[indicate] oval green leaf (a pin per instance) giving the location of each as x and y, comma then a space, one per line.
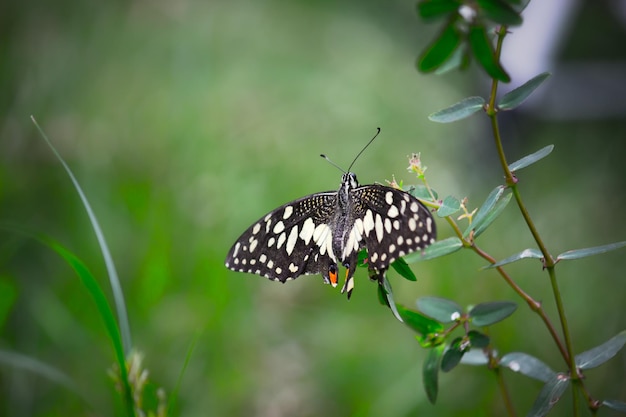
458, 111
486, 314
385, 296
430, 10
478, 339
549, 395
531, 159
440, 50
419, 322
484, 54
475, 357
527, 365
487, 206
436, 250
452, 356
615, 405
492, 215
449, 206
600, 354
422, 192
440, 309
500, 12
402, 268
430, 372
515, 97
526, 253
596, 250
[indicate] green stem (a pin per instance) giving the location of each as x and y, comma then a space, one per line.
549, 263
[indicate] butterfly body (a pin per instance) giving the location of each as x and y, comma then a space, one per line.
313, 234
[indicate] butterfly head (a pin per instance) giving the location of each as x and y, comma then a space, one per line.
349, 181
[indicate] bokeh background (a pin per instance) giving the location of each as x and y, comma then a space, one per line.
185, 121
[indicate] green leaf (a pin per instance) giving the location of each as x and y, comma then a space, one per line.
600, 354
431, 10
440, 50
458, 111
486, 314
475, 357
596, 250
549, 395
615, 405
385, 295
403, 269
531, 159
478, 339
515, 97
453, 355
430, 372
492, 215
484, 210
458, 59
499, 12
422, 192
449, 206
419, 322
440, 309
436, 250
484, 54
526, 253
527, 365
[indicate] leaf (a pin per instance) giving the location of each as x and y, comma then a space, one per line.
452, 357
449, 206
531, 159
402, 268
499, 12
458, 59
526, 253
431, 10
440, 50
116, 287
615, 405
430, 372
440, 309
478, 339
422, 192
486, 314
385, 295
515, 97
8, 296
527, 365
492, 215
600, 354
484, 210
458, 111
475, 357
596, 250
436, 250
484, 54
549, 395
419, 322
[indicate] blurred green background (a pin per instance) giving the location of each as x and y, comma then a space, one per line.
185, 121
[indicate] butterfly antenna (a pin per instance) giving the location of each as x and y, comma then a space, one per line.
332, 163
364, 148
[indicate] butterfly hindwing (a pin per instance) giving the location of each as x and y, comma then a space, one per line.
293, 240
394, 224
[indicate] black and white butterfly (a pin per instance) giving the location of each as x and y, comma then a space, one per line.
313, 234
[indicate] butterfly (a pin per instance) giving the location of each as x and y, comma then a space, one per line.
316, 233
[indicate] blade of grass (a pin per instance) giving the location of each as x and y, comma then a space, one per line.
118, 294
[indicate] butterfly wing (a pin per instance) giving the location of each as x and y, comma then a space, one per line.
389, 223
293, 240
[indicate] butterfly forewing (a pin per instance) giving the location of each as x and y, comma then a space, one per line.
293, 240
